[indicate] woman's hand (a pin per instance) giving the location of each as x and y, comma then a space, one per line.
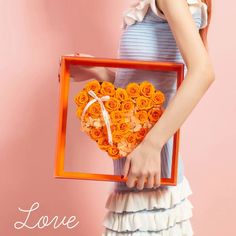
143, 165
82, 73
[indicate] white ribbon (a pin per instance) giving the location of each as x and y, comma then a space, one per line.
105, 114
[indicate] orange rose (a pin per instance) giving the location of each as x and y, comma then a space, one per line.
79, 111
123, 127
121, 94
154, 114
107, 88
130, 137
113, 151
93, 85
158, 97
151, 103
113, 128
95, 133
127, 105
112, 104
147, 89
103, 143
94, 110
117, 136
143, 103
98, 95
133, 89
116, 116
141, 133
142, 116
81, 98
86, 117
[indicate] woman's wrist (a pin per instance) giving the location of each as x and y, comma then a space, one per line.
152, 141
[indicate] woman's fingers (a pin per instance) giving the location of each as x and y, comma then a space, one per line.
131, 182
150, 181
83, 54
157, 180
82, 68
141, 182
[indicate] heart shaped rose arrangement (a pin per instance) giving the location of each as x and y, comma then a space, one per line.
118, 118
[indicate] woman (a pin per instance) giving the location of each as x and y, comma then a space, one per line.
158, 30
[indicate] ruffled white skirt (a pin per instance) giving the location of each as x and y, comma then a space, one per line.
165, 211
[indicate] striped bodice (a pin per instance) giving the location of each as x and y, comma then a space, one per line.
151, 39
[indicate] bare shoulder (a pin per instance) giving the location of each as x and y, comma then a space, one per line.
185, 31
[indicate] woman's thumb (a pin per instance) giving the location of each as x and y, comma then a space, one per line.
83, 54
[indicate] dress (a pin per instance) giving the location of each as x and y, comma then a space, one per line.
165, 211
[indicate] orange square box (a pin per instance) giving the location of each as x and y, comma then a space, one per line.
66, 61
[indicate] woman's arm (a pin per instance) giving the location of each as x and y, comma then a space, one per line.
106, 74
199, 76
144, 161
82, 73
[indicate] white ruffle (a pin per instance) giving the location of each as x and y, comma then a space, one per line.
184, 228
138, 11
158, 210
165, 198
155, 220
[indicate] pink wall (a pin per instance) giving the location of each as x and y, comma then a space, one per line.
33, 36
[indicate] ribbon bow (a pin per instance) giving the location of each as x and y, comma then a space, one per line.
105, 114
136, 12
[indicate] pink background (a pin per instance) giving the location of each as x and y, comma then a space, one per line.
33, 36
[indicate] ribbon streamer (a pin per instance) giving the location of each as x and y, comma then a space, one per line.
105, 114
